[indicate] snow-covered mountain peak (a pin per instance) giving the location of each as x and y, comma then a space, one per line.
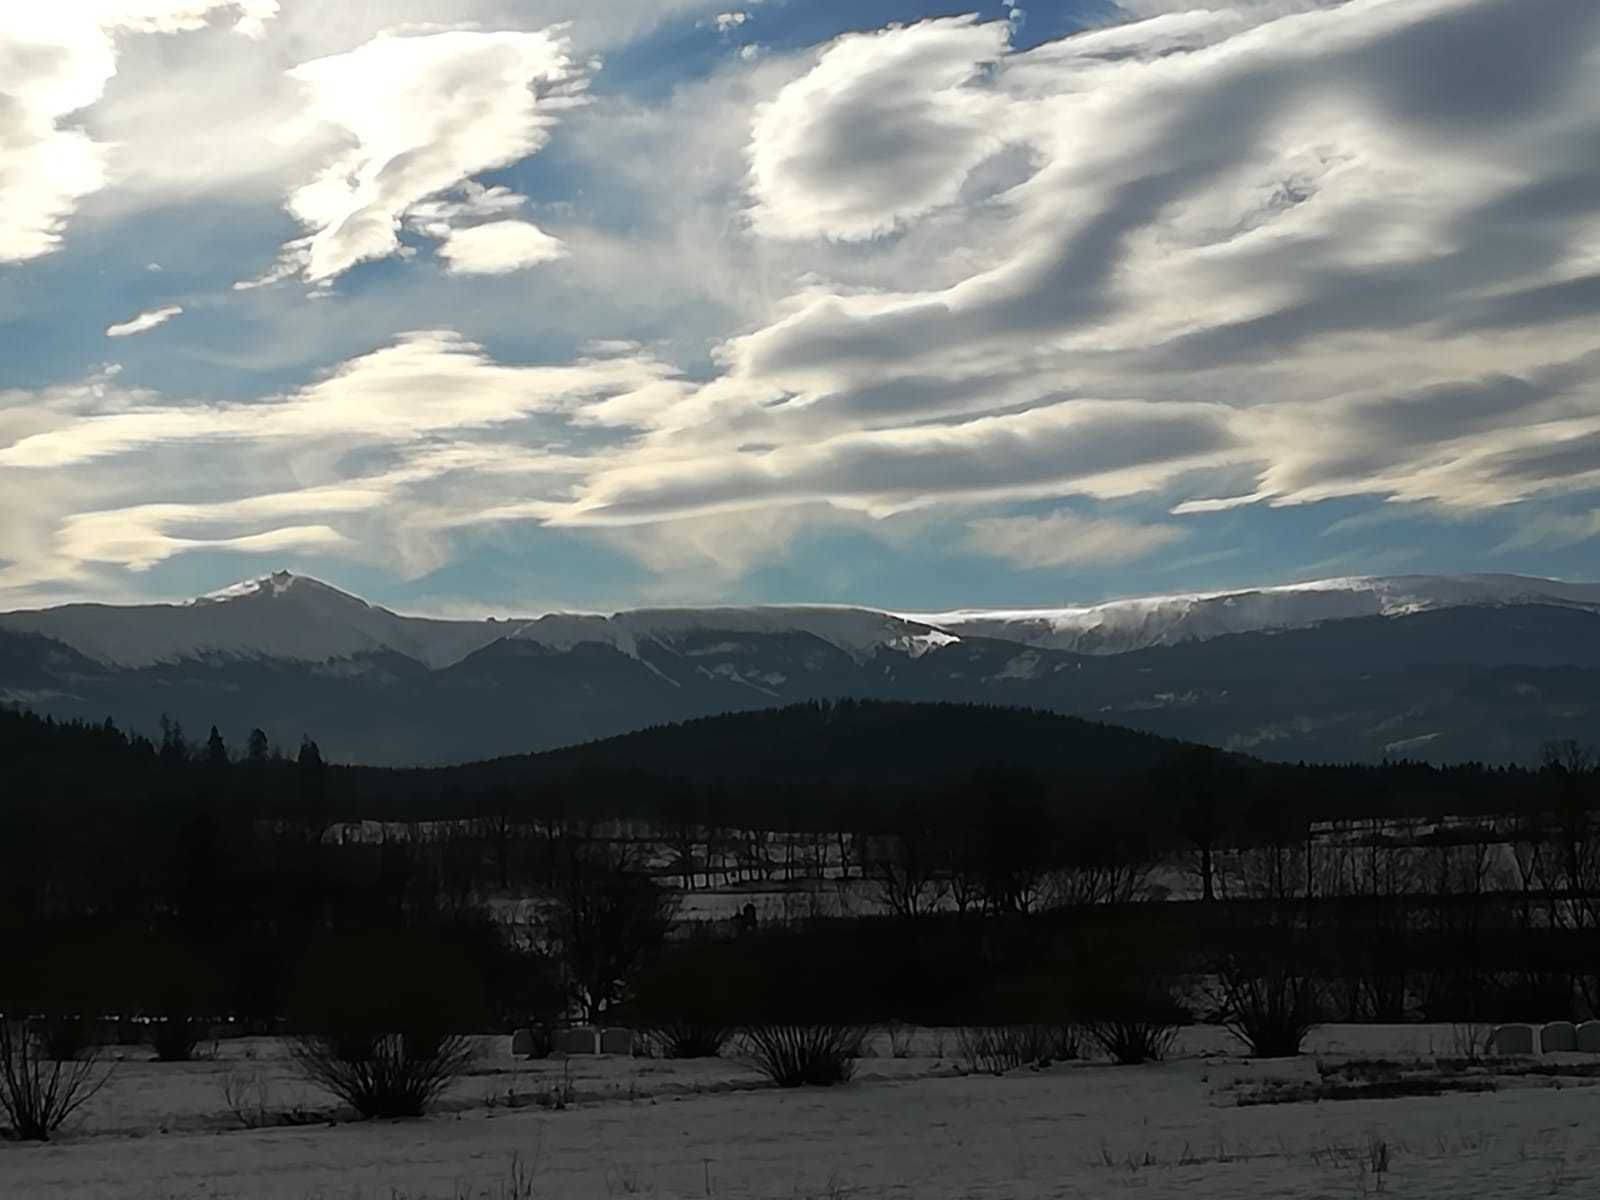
294, 618
1116, 626
281, 585
290, 617
281, 616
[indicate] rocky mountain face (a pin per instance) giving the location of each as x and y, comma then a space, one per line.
1445, 668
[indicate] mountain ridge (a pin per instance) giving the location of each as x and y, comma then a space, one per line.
1487, 668
295, 617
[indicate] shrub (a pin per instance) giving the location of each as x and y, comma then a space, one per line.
804, 1055
1270, 1011
543, 1036
175, 1037
690, 1001
385, 1074
1126, 998
379, 1019
1134, 1039
1470, 1041
39, 1093
129, 1031
65, 1037
686, 1039
900, 1037
1268, 997
996, 1049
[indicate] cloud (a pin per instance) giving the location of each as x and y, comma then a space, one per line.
1553, 530
1093, 448
726, 22
1213, 504
426, 383
1066, 539
818, 169
698, 555
499, 247
55, 60
1245, 255
425, 113
144, 322
383, 458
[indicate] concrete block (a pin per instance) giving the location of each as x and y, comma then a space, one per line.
580, 1040
522, 1043
616, 1041
1558, 1037
1510, 1040
1589, 1037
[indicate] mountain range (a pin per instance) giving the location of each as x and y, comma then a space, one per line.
1481, 667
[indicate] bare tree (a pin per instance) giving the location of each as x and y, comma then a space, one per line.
498, 825
903, 862
609, 916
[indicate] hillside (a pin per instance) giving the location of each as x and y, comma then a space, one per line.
1450, 669
845, 743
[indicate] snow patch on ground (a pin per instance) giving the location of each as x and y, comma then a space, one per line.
908, 1127
1023, 666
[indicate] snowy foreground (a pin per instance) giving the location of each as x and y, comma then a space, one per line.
915, 1127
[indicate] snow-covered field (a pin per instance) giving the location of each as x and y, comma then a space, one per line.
913, 1128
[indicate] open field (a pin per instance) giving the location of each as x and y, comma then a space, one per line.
918, 1127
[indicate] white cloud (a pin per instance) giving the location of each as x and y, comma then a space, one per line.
55, 60
140, 536
885, 128
728, 21
383, 458
1093, 448
473, 202
254, 15
1067, 539
426, 113
144, 322
426, 383
1213, 504
499, 247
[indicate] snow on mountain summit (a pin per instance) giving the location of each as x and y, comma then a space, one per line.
277, 585
290, 617
1117, 626
279, 616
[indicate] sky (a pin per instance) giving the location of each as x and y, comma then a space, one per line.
477, 306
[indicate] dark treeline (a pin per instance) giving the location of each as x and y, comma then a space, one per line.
175, 879
806, 763
1015, 858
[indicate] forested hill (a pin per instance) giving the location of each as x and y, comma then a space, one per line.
810, 763
841, 742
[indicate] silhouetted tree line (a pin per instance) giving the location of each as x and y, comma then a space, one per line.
175, 876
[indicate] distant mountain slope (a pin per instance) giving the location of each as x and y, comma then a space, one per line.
1482, 667
289, 618
1121, 625
853, 742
